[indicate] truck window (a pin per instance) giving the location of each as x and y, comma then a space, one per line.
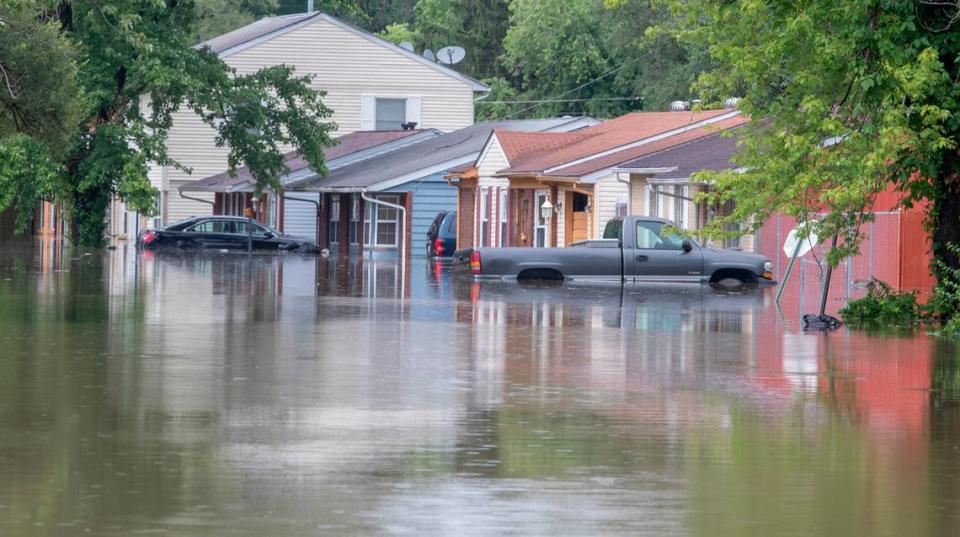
651, 236
613, 229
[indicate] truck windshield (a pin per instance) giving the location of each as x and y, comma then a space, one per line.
614, 229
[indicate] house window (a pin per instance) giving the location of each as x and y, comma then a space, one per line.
680, 206
484, 217
380, 222
390, 114
354, 218
334, 219
387, 222
503, 217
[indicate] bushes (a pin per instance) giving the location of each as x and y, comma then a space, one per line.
882, 305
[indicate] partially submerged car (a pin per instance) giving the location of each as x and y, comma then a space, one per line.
222, 233
634, 249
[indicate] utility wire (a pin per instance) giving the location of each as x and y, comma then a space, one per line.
580, 87
563, 100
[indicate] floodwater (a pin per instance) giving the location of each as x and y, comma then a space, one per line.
278, 396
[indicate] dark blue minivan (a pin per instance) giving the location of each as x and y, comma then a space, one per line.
442, 235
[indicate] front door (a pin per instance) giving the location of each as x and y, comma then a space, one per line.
658, 255
540, 223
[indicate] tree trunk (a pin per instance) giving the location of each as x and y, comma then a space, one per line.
946, 215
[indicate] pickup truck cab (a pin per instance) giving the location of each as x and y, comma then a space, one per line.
633, 249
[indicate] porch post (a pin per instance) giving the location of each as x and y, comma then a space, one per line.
554, 199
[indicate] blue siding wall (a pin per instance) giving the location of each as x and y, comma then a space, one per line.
431, 195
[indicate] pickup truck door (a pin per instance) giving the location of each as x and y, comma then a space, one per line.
658, 255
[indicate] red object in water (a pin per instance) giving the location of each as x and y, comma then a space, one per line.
475, 262
438, 247
149, 237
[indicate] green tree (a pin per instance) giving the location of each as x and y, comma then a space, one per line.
846, 99
217, 17
137, 69
40, 106
478, 27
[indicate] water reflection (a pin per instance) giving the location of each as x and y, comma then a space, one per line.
198, 395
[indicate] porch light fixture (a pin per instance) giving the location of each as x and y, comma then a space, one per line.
546, 210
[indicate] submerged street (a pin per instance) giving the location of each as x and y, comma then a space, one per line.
284, 395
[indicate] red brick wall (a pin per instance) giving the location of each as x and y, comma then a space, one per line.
343, 234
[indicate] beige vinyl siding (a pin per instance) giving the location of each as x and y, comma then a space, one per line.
560, 217
492, 159
179, 208
639, 206
608, 191
346, 66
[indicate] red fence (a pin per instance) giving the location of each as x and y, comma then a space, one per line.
895, 249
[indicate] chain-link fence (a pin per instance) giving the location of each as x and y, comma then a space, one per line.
879, 258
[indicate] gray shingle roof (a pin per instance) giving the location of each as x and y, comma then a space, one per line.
445, 151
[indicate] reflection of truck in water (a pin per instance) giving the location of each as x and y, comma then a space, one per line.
633, 249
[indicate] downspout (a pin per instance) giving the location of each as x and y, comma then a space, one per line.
402, 239
316, 221
191, 198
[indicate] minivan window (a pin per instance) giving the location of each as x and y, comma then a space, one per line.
452, 224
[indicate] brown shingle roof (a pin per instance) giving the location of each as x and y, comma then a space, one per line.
614, 159
605, 136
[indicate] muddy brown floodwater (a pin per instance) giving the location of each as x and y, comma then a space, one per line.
276, 396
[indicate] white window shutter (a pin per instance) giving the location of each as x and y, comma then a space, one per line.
413, 110
368, 113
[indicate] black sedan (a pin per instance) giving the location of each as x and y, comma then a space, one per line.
222, 233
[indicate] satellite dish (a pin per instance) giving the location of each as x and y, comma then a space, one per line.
428, 54
451, 55
406, 45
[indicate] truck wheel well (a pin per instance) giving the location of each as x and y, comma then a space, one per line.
741, 275
540, 274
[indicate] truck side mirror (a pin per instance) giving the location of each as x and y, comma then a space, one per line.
686, 245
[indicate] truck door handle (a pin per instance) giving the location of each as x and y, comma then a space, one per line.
642, 258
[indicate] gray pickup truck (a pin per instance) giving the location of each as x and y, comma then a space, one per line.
633, 249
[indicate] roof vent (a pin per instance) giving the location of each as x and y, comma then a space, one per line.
679, 106
409, 126
731, 102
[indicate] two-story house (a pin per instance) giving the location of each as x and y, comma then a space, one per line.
371, 84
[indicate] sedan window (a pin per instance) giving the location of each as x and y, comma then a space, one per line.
243, 228
212, 226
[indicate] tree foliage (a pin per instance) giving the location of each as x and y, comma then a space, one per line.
847, 98
136, 68
40, 106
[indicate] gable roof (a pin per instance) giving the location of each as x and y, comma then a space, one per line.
347, 145
711, 152
267, 28
607, 137
592, 166
424, 158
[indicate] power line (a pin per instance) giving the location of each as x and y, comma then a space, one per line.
580, 87
563, 100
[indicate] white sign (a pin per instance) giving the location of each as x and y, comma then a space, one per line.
806, 245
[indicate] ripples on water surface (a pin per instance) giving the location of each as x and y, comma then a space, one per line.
227, 395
